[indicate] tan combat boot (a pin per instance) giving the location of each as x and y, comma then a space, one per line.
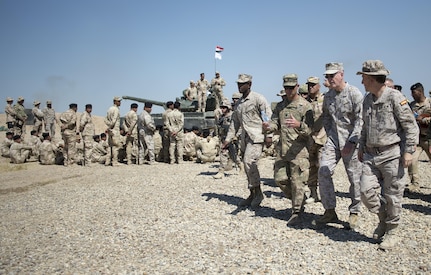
353, 220
258, 197
329, 216
381, 228
390, 239
219, 175
247, 201
314, 196
413, 187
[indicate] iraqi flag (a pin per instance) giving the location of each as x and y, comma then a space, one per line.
217, 54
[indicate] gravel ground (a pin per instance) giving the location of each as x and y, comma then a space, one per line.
176, 219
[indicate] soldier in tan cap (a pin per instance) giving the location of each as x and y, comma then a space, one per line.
217, 84
251, 110
37, 117
342, 120
10, 113
112, 120
87, 129
387, 142
191, 93
318, 136
294, 123
202, 85
21, 117
69, 129
49, 119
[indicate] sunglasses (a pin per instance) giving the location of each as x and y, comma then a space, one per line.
328, 76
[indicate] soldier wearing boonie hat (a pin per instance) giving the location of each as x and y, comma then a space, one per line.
10, 113
20, 117
37, 116
248, 117
380, 150
342, 120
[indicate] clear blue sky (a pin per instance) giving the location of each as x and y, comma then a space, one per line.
88, 51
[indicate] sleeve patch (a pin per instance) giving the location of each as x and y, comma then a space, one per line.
404, 102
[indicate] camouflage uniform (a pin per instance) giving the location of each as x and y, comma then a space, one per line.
206, 149
217, 84
190, 141
223, 125
130, 127
202, 86
423, 145
147, 128
19, 152
21, 117
37, 118
35, 142
5, 147
191, 93
68, 121
158, 146
112, 120
165, 137
100, 152
50, 119
48, 152
87, 128
176, 127
342, 120
10, 116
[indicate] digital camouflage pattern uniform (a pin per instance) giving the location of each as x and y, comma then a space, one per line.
19, 152
21, 117
190, 141
87, 128
217, 84
37, 118
100, 152
5, 147
176, 126
10, 115
202, 86
165, 138
48, 152
68, 122
112, 120
147, 128
206, 149
50, 119
130, 127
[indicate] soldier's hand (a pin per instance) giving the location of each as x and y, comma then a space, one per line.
407, 158
291, 122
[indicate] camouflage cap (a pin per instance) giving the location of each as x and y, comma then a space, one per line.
236, 95
117, 98
20, 99
303, 89
373, 67
313, 80
9, 99
333, 67
290, 80
282, 93
244, 78
48, 102
35, 103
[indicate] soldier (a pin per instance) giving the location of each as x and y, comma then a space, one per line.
87, 129
217, 84
158, 143
294, 122
20, 118
249, 116
235, 97
223, 125
318, 137
48, 151
202, 85
388, 122
342, 120
165, 137
10, 114
147, 127
6, 144
19, 153
303, 91
49, 118
34, 141
421, 107
191, 93
100, 151
207, 148
112, 120
130, 127
37, 117
191, 138
270, 147
68, 122
176, 134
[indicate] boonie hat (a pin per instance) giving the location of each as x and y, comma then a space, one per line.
373, 67
20, 99
48, 102
244, 78
282, 93
313, 80
333, 67
226, 104
35, 103
8, 99
236, 95
117, 98
290, 80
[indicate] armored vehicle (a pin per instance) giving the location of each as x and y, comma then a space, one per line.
191, 117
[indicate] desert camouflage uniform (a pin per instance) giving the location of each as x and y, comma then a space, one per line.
10, 116
217, 85
387, 121
147, 128
271, 150
291, 166
206, 149
48, 152
247, 116
130, 127
50, 119
112, 120
190, 141
158, 146
165, 137
87, 128
68, 121
423, 145
176, 125
21, 117
35, 142
191, 92
100, 152
223, 125
19, 152
5, 147
202, 86
342, 120
37, 119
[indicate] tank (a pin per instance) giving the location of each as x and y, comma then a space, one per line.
188, 108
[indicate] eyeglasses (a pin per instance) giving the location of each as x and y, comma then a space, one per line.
328, 76
311, 84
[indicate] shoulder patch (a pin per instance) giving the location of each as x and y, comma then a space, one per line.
404, 102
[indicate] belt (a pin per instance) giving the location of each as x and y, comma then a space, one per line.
381, 149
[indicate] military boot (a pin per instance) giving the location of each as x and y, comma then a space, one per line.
258, 197
353, 220
314, 196
329, 216
247, 201
390, 238
413, 187
381, 228
219, 175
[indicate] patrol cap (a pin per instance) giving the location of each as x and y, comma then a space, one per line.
35, 103
333, 67
117, 98
236, 95
313, 80
148, 105
20, 99
48, 102
303, 89
244, 78
15, 137
373, 67
282, 93
290, 80
9, 99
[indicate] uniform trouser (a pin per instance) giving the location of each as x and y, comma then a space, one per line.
202, 101
225, 157
204, 158
165, 145
147, 148
251, 154
130, 142
69, 150
291, 176
19, 130
176, 146
50, 128
382, 187
98, 158
114, 144
331, 155
315, 153
218, 95
88, 147
414, 167
37, 126
21, 158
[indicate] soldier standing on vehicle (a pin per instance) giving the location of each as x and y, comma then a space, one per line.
87, 129
202, 85
37, 117
49, 118
388, 121
21, 117
217, 84
10, 114
191, 92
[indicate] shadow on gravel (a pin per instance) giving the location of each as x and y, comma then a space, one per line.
417, 196
418, 208
268, 182
342, 194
